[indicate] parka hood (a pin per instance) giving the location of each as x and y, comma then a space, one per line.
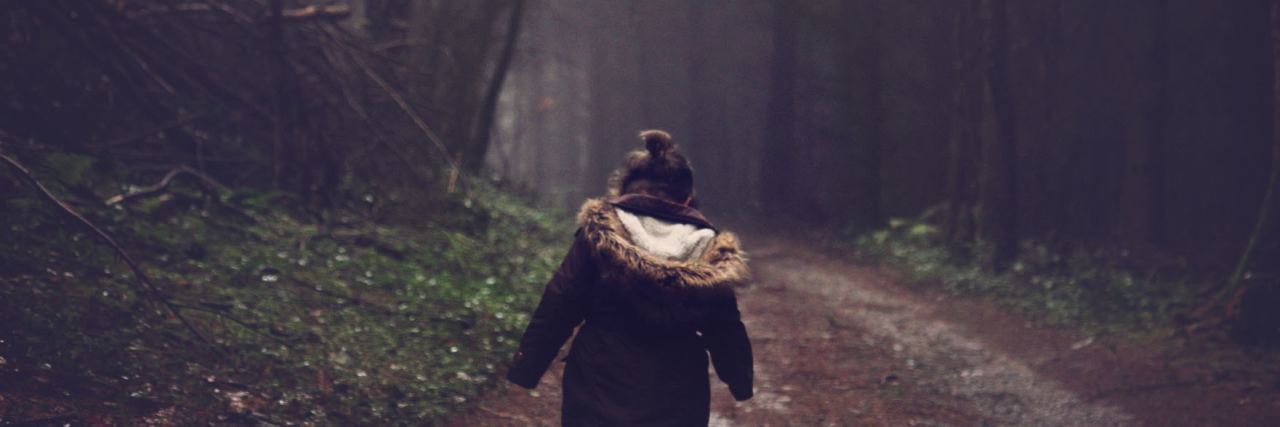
663, 291
665, 239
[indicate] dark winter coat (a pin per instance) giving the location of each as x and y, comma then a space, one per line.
648, 323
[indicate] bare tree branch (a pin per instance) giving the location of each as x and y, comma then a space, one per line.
417, 120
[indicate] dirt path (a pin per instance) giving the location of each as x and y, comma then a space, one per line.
838, 344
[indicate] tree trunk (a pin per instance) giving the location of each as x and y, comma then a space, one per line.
1042, 204
1266, 210
863, 66
698, 77
650, 99
483, 133
538, 126
1140, 201
704, 120
776, 164
603, 109
466, 87
962, 122
276, 39
1157, 123
1000, 203
871, 211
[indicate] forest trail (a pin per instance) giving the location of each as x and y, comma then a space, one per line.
842, 344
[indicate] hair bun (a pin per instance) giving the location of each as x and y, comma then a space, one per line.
656, 141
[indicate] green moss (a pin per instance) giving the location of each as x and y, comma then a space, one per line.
1102, 290
364, 323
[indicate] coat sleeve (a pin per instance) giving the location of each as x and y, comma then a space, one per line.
726, 339
562, 308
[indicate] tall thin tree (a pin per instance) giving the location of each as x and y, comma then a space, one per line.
872, 213
1142, 177
1000, 168
278, 66
1266, 212
1157, 122
962, 125
862, 63
778, 150
473, 158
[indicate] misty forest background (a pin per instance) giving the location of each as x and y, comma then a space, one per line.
337, 212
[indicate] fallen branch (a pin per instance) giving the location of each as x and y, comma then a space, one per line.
413, 115
152, 290
193, 7
208, 182
256, 329
379, 136
317, 12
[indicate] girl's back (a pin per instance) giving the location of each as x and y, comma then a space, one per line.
652, 283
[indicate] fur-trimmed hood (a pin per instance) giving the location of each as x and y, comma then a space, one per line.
662, 291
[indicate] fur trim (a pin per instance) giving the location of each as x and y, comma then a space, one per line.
663, 291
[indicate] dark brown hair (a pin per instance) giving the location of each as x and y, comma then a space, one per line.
658, 170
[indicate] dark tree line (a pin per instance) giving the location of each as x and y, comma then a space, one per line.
1146, 124
326, 100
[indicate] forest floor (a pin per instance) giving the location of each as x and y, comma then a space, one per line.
838, 343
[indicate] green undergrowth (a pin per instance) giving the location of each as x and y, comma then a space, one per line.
356, 323
1100, 290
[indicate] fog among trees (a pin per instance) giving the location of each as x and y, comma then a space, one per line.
1146, 122
342, 212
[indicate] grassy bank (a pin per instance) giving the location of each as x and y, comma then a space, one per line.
359, 322
1098, 289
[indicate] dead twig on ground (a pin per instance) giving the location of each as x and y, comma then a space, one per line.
205, 180
256, 329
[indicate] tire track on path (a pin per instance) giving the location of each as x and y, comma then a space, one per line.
839, 345
915, 368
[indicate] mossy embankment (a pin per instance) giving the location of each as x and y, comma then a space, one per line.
353, 319
1098, 289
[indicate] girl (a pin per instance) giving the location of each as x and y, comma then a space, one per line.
652, 282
